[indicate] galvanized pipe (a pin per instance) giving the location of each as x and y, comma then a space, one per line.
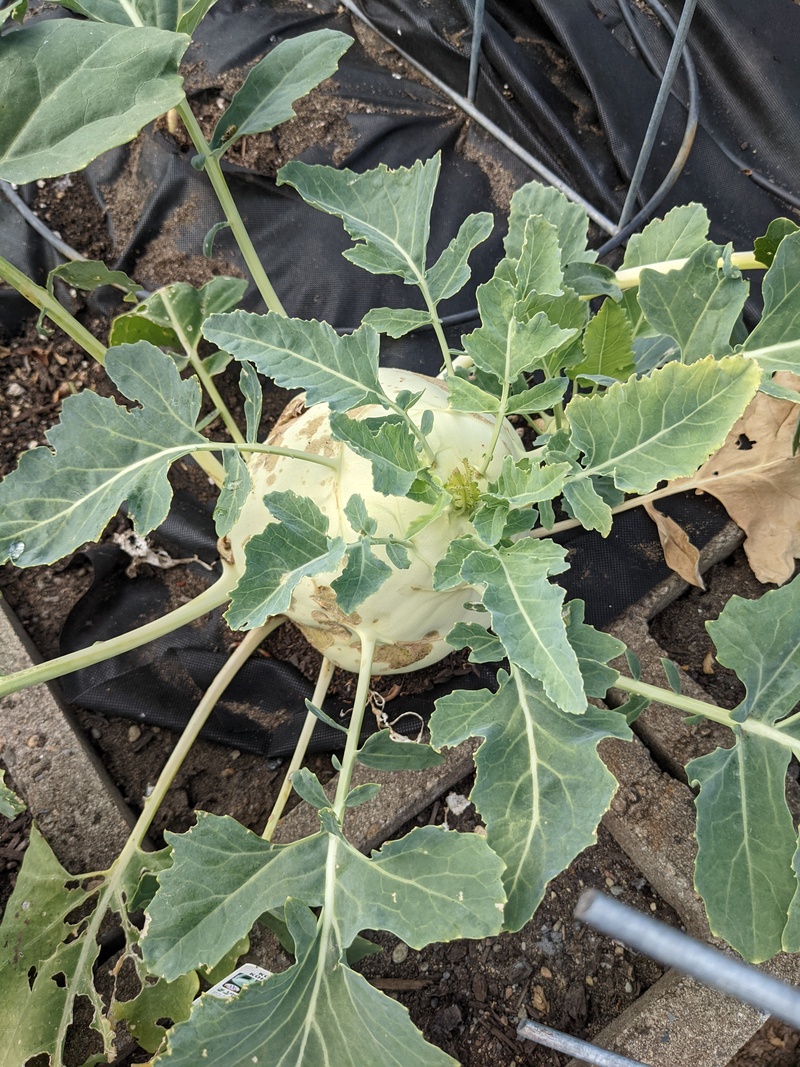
703, 963
573, 1046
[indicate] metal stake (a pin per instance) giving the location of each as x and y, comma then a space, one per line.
684, 953
573, 1046
475, 50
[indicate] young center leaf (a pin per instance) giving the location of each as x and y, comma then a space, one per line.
70, 90
744, 876
103, 455
535, 761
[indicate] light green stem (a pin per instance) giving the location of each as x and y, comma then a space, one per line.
46, 302
500, 418
209, 599
354, 729
320, 689
109, 892
709, 711
206, 379
437, 326
213, 169
630, 278
627, 505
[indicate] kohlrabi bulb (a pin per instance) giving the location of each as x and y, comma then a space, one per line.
407, 617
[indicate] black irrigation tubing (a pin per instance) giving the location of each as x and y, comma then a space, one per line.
657, 114
701, 962
475, 49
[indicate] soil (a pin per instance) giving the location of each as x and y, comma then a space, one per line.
467, 997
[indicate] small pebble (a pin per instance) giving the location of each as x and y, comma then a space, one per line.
96, 734
628, 987
545, 972
35, 741
228, 772
653, 906
589, 980
400, 953
15, 390
616, 890
134, 733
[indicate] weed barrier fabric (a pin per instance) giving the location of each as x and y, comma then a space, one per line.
567, 82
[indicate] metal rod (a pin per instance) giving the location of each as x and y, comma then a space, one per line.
658, 110
684, 953
474, 113
475, 51
573, 1046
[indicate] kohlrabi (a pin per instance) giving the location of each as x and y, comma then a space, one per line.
393, 517
401, 537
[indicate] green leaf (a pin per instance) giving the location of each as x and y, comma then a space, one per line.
250, 385
361, 794
538, 268
104, 455
775, 341
607, 345
746, 877
464, 395
290, 71
583, 502
382, 752
769, 667
396, 322
71, 90
233, 494
156, 1000
651, 429
447, 572
320, 714
592, 279
165, 14
427, 886
293, 547
90, 275
505, 346
315, 1013
680, 233
489, 521
540, 786
14, 11
299, 354
355, 511
38, 943
524, 481
697, 305
10, 804
451, 271
594, 650
364, 573
397, 555
307, 786
484, 647
570, 221
540, 398
526, 614
744, 874
672, 671
388, 211
388, 444
765, 247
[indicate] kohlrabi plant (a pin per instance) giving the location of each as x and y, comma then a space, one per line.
395, 517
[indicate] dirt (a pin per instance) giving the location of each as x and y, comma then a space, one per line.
467, 997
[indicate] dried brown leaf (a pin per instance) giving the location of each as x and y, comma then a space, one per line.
679, 552
757, 479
